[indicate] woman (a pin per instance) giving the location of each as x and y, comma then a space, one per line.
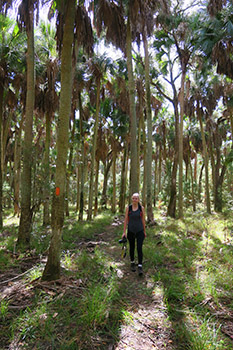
135, 221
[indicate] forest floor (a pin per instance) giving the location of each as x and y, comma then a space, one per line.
183, 301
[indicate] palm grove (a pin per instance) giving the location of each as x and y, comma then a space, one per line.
82, 128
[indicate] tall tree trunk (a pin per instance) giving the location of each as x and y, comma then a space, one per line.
107, 167
94, 143
200, 183
46, 194
160, 169
1, 165
133, 118
114, 181
150, 216
82, 163
155, 177
96, 187
205, 156
52, 268
123, 178
69, 169
218, 176
144, 161
25, 224
140, 130
180, 157
193, 191
17, 167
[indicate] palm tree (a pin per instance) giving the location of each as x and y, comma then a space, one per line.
98, 66
52, 268
26, 18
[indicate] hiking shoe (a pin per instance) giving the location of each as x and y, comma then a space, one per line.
133, 267
140, 272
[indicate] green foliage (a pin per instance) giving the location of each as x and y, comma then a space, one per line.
187, 266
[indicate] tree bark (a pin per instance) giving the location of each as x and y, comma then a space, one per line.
94, 143
96, 187
150, 216
1, 165
205, 156
52, 268
17, 167
46, 194
123, 178
133, 119
24, 233
114, 182
180, 157
69, 169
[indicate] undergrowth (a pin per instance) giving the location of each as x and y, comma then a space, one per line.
188, 262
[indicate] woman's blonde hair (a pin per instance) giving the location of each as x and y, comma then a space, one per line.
135, 195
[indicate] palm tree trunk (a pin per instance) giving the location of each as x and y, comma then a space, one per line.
123, 178
69, 170
205, 155
24, 232
46, 194
144, 161
52, 268
82, 163
1, 167
96, 187
180, 157
150, 216
107, 167
155, 177
133, 121
17, 167
114, 181
94, 142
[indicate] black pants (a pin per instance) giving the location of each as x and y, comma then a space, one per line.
139, 236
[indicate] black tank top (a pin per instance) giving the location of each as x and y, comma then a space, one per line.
135, 224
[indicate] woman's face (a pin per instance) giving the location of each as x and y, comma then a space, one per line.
135, 198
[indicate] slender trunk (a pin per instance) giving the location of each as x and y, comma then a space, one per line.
123, 178
52, 268
193, 191
144, 161
69, 169
133, 121
1, 165
94, 143
114, 182
205, 156
160, 169
155, 178
200, 183
218, 177
24, 232
140, 130
96, 187
17, 168
150, 216
104, 192
46, 194
82, 163
180, 157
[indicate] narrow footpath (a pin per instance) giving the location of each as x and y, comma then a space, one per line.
146, 325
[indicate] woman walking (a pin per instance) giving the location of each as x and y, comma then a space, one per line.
135, 222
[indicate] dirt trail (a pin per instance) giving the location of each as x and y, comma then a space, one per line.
146, 324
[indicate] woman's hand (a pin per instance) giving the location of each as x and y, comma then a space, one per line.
124, 235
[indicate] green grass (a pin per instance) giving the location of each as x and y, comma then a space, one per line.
187, 262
